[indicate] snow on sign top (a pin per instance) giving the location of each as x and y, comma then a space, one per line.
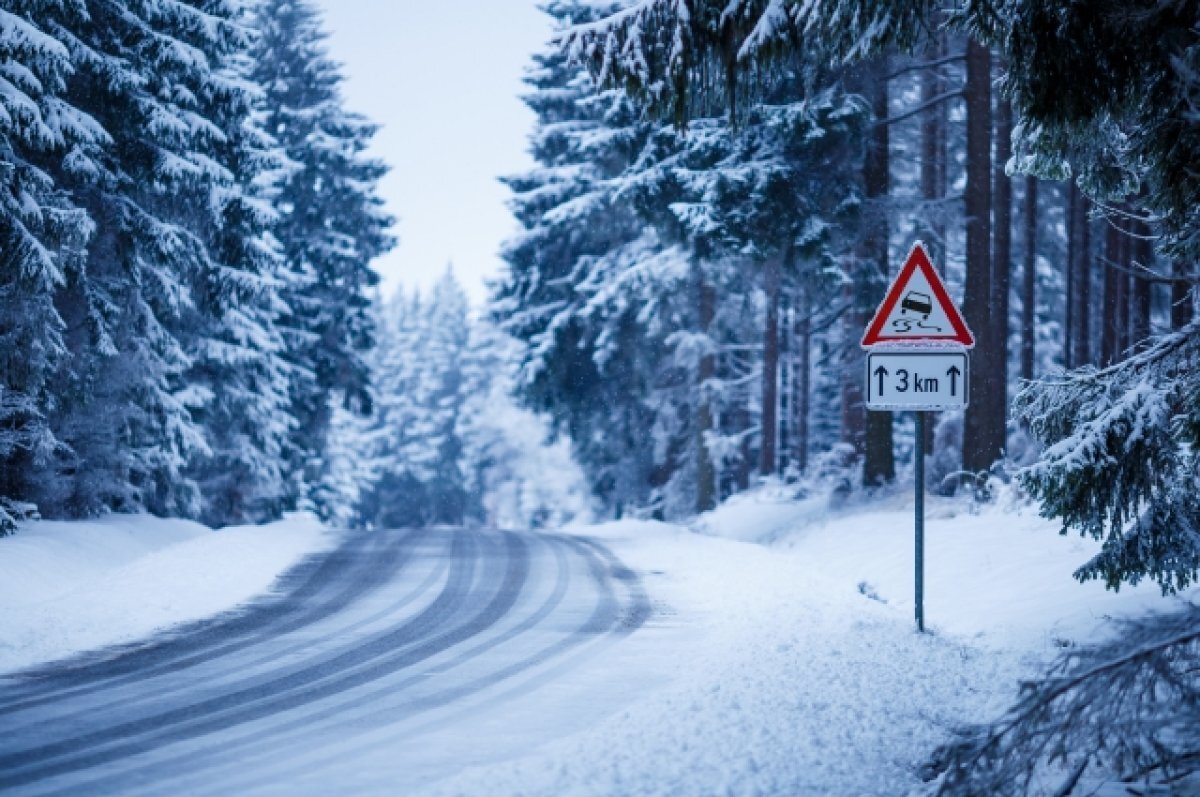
917, 308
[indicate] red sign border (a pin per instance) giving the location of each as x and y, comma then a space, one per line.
917, 258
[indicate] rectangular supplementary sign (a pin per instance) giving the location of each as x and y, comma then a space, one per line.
916, 380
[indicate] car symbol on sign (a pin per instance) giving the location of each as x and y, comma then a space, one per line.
917, 302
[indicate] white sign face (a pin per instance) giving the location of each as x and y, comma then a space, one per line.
918, 314
901, 379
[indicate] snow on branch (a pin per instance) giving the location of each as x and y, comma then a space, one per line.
1121, 461
1128, 708
648, 49
668, 53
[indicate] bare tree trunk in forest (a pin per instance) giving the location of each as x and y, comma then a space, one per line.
744, 465
879, 463
1001, 270
706, 302
770, 368
1124, 286
854, 413
933, 145
1070, 347
1083, 284
1139, 320
980, 447
803, 355
1029, 281
1181, 297
1115, 303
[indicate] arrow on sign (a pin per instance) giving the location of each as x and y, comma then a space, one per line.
881, 372
954, 374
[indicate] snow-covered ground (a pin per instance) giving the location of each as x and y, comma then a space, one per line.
67, 587
781, 657
796, 666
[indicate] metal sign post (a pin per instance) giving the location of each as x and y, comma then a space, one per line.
919, 473
917, 360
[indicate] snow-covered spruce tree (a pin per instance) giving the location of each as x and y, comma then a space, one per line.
593, 383
784, 205
231, 328
147, 73
1123, 443
333, 223
42, 234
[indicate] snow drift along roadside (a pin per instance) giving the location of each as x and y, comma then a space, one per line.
796, 666
66, 587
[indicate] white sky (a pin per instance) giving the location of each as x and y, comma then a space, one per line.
443, 77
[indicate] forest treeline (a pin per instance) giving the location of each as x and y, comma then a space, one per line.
187, 221
723, 192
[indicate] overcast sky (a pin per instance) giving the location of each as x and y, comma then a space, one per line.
444, 79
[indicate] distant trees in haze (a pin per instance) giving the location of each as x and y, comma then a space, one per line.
446, 444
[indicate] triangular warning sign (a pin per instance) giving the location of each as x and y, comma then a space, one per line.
917, 308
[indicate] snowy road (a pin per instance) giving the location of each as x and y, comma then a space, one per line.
389, 661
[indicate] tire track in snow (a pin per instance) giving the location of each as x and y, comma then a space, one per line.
347, 573
486, 575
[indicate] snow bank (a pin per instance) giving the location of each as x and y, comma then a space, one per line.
997, 573
796, 666
66, 587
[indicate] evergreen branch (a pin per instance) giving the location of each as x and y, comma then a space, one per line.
934, 64
918, 109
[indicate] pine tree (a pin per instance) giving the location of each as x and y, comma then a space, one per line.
148, 74
42, 234
239, 348
333, 223
591, 377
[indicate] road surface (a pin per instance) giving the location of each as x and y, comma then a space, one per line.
408, 653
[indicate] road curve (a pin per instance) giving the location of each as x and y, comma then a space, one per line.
390, 638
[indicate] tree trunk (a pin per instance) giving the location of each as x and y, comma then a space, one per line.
1139, 321
879, 464
1181, 297
770, 369
706, 301
1070, 347
1001, 271
1116, 301
1125, 284
933, 145
1083, 284
853, 412
1029, 281
803, 359
980, 447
